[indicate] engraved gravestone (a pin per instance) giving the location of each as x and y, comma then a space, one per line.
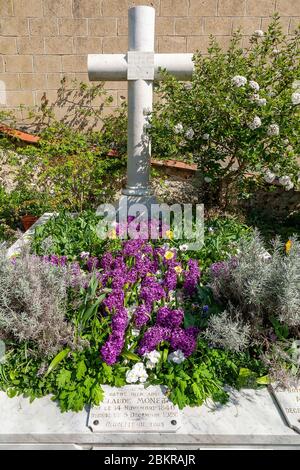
288, 400
134, 408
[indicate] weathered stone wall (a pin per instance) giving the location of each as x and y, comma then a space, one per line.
43, 40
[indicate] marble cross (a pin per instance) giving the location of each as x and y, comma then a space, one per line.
139, 66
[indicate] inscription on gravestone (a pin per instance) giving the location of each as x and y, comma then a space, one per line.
133, 408
289, 402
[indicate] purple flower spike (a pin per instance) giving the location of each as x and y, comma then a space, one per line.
106, 261
142, 315
114, 300
169, 318
92, 263
152, 338
185, 340
112, 348
192, 276
170, 281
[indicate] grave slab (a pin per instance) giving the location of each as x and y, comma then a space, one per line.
288, 400
250, 419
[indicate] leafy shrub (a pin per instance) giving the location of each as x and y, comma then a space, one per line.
33, 300
239, 115
70, 166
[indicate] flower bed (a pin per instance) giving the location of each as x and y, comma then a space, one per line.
78, 312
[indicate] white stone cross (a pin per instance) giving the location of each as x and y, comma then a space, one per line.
140, 66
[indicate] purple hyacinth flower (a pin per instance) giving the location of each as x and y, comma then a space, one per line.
142, 315
152, 338
185, 340
192, 276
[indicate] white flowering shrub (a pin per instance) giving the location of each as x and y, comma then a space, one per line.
239, 115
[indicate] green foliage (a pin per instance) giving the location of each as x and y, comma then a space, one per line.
69, 167
204, 375
210, 119
68, 170
69, 235
78, 378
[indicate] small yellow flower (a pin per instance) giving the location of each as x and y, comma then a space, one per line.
112, 235
169, 255
169, 234
178, 269
288, 246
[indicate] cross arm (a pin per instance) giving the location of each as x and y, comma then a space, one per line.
114, 67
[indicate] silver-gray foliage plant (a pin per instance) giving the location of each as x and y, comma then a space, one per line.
261, 285
33, 299
228, 331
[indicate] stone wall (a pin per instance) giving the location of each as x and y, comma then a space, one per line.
43, 40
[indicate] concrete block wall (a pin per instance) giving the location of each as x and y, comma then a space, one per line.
43, 40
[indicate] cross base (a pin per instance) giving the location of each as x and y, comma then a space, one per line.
142, 203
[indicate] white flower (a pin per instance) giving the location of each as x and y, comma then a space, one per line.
211, 229
255, 124
239, 80
189, 134
269, 177
289, 186
254, 97
138, 372
207, 179
296, 85
276, 51
131, 376
273, 129
84, 254
188, 86
138, 367
143, 376
153, 356
296, 98
177, 357
259, 33
150, 365
183, 247
261, 101
286, 182
135, 332
178, 129
254, 85
205, 137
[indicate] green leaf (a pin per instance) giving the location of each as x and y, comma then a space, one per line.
130, 356
63, 377
97, 394
264, 380
81, 370
58, 358
165, 355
